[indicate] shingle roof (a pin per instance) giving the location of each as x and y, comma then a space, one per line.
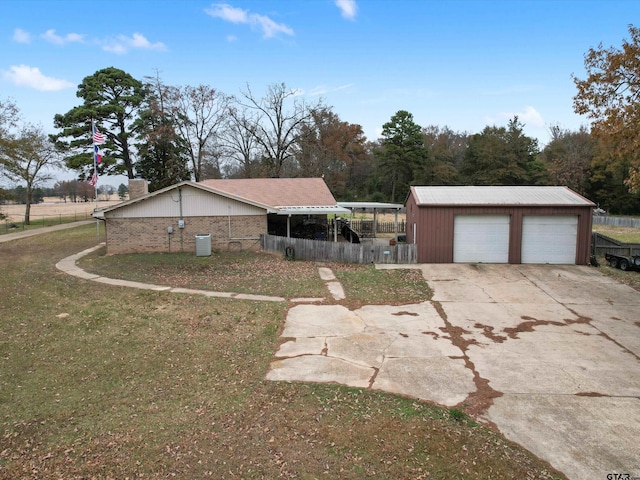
499, 195
277, 192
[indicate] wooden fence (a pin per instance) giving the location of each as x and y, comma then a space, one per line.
616, 221
601, 244
327, 251
366, 227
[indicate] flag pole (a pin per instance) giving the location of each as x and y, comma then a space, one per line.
95, 175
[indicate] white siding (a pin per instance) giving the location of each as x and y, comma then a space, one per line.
194, 202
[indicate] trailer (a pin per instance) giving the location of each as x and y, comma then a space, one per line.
622, 262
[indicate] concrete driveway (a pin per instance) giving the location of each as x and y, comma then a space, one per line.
549, 355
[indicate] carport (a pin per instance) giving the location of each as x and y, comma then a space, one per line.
375, 207
517, 224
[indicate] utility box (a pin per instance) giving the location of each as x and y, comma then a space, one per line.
203, 245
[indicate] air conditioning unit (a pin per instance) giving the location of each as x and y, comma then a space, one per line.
203, 245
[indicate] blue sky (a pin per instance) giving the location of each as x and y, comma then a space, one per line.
464, 64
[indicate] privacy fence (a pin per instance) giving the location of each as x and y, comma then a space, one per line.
327, 251
601, 244
616, 221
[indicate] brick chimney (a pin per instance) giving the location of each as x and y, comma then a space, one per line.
138, 187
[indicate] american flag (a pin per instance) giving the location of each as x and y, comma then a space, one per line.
98, 138
94, 179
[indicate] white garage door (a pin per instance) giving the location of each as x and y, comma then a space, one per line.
481, 238
549, 239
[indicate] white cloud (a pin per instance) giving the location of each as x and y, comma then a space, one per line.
530, 117
231, 14
348, 8
323, 89
122, 44
20, 36
32, 77
52, 37
228, 13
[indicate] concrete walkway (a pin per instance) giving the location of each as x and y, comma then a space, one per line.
68, 265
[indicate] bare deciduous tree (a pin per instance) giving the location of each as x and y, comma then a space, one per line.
239, 144
275, 128
24, 157
198, 116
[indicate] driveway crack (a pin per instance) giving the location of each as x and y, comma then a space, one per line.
587, 320
479, 401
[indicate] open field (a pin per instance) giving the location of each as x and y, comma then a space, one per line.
623, 234
104, 382
53, 207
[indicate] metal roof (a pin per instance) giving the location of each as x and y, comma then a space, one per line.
499, 195
372, 205
313, 210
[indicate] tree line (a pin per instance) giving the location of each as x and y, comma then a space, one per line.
71, 191
167, 134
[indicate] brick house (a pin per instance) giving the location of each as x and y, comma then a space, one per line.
234, 212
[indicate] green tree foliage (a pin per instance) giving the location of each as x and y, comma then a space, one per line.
163, 154
446, 152
123, 191
330, 148
610, 97
401, 155
111, 97
608, 188
568, 158
502, 156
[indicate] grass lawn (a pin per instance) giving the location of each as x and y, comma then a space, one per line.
38, 222
623, 234
105, 382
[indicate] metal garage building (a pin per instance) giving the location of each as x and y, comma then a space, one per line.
499, 225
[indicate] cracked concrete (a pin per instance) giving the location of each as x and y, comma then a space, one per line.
548, 355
